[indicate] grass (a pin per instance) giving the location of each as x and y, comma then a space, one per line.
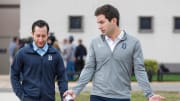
136, 96
170, 96
169, 77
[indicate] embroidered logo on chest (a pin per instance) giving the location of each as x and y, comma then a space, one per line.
50, 57
123, 46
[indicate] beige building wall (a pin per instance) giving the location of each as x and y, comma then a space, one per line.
162, 44
9, 27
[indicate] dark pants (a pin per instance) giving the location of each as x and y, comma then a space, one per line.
70, 70
45, 98
99, 98
79, 64
30, 99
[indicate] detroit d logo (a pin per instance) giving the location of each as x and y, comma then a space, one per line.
50, 57
124, 46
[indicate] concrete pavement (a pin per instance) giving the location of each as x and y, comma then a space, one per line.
6, 93
8, 96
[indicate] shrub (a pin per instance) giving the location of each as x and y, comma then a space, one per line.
151, 65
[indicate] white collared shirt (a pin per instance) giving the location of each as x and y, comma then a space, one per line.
112, 43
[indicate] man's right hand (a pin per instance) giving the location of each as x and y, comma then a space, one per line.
71, 93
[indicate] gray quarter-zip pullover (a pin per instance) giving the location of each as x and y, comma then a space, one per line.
110, 72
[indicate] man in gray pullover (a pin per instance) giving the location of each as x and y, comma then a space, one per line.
110, 60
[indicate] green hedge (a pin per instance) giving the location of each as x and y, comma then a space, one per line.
151, 65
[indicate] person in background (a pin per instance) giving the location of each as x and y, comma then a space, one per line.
70, 58
12, 48
80, 54
38, 63
64, 50
52, 41
18, 46
110, 60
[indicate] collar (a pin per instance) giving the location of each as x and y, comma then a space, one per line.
123, 38
119, 37
35, 48
30, 50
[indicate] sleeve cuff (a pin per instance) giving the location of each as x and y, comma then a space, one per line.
149, 95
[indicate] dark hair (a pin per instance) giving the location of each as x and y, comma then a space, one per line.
40, 23
15, 38
52, 38
71, 39
108, 11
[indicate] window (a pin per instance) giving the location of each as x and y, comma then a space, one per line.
75, 23
145, 24
176, 24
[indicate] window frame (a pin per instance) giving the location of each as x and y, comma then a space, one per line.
79, 17
143, 30
175, 30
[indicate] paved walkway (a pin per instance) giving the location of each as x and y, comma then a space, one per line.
6, 93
